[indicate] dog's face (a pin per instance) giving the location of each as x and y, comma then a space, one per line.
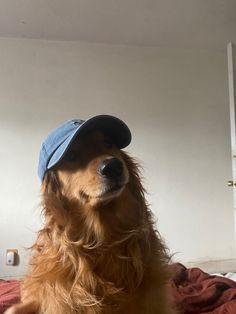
93, 170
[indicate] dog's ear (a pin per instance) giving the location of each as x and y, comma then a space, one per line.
135, 176
52, 200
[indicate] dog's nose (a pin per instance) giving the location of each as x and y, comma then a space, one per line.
111, 168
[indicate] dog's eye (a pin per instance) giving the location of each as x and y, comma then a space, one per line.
71, 156
108, 143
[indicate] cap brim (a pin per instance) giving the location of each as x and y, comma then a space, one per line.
114, 127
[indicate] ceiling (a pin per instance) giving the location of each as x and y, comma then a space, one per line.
164, 23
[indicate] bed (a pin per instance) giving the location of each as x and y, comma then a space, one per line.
192, 291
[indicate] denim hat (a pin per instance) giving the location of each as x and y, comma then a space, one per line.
60, 139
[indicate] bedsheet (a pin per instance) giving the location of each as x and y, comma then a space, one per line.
195, 292
192, 291
9, 294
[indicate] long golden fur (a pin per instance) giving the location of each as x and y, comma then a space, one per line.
98, 252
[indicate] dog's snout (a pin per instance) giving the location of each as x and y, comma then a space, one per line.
111, 168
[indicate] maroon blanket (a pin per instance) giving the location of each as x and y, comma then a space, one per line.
9, 294
196, 292
192, 291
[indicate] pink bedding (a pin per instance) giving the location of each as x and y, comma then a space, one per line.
192, 290
9, 294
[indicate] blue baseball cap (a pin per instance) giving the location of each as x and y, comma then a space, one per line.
59, 140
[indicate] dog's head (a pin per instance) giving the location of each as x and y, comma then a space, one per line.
94, 189
92, 170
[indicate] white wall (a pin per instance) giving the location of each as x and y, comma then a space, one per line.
176, 104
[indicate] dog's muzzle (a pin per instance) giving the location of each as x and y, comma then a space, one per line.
114, 177
113, 174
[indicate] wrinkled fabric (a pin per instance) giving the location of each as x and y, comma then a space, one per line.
196, 292
9, 294
192, 291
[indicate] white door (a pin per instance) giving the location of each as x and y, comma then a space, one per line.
231, 49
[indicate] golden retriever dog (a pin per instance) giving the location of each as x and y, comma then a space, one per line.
98, 251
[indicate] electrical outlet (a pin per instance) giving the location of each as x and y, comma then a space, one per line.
12, 257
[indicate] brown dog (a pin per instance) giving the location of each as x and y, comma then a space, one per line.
98, 252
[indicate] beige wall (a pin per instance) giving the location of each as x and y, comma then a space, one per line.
176, 104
